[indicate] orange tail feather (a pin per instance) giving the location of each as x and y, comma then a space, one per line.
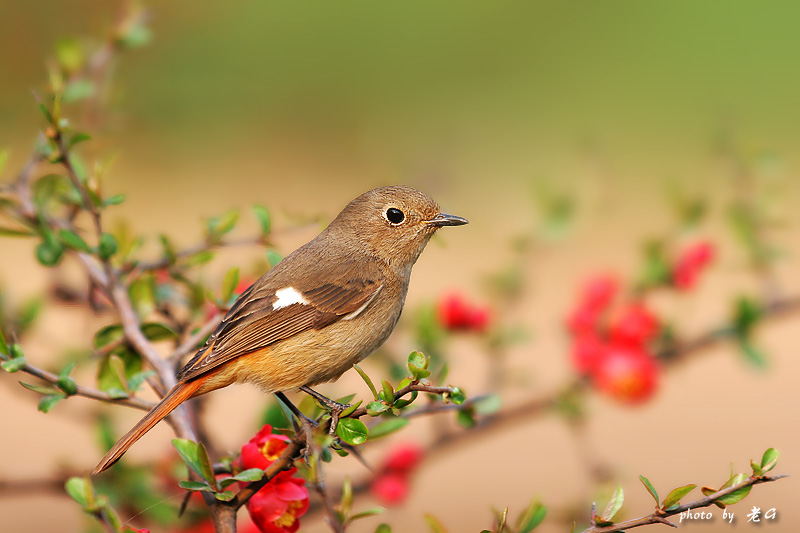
179, 393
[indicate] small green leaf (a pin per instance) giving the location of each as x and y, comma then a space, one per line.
77, 138
135, 36
753, 355
457, 396
195, 486
229, 283
3, 344
674, 497
466, 418
252, 474
387, 426
15, 364
47, 402
488, 405
49, 252
352, 431
736, 496
769, 460
219, 226
366, 514
46, 389
756, 469
264, 219
114, 200
368, 381
73, 240
273, 257
77, 90
225, 496
196, 458
347, 412
614, 505
80, 490
66, 383
200, 258
404, 402
376, 408
434, 524
650, 488
417, 365
107, 246
383, 528
388, 392
47, 115
155, 331
531, 518
107, 335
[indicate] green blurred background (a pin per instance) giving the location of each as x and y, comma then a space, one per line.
303, 105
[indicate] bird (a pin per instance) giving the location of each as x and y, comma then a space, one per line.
315, 314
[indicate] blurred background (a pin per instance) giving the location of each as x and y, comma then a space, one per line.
568, 125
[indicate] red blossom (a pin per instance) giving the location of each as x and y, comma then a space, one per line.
627, 374
599, 291
587, 351
390, 488
455, 313
691, 261
633, 325
404, 458
277, 507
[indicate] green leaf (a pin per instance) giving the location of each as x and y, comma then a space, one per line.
399, 404
15, 364
650, 488
47, 115
466, 418
155, 331
753, 355
3, 159
229, 283
106, 335
135, 380
387, 426
73, 240
349, 411
417, 365
736, 496
80, 490
66, 383
135, 36
46, 389
77, 90
225, 496
195, 486
531, 518
434, 524
47, 402
366, 514
70, 54
657, 268
457, 396
368, 381
252, 474
756, 469
114, 200
674, 497
3, 344
614, 505
77, 138
107, 246
273, 257
376, 408
219, 226
200, 258
196, 458
264, 219
143, 295
49, 252
352, 431
388, 392
769, 460
488, 405
383, 528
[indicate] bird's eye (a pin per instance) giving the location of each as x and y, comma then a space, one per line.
395, 216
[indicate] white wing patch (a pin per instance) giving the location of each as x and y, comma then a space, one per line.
288, 296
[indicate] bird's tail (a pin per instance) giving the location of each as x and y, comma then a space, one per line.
179, 393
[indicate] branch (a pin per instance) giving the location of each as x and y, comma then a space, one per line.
88, 392
660, 516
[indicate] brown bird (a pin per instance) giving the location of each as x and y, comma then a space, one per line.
324, 308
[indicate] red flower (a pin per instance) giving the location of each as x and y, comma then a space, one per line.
690, 263
404, 458
627, 374
277, 507
455, 313
599, 291
587, 351
390, 488
633, 325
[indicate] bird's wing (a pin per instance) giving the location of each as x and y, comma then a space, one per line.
270, 311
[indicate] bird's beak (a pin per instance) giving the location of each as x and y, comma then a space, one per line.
447, 220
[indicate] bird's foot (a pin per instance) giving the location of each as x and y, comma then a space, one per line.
335, 408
